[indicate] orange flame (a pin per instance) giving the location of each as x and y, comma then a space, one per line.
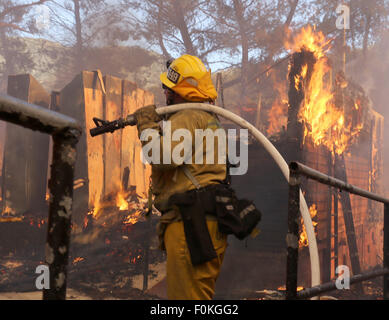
283, 288
8, 211
303, 241
121, 201
278, 114
78, 259
325, 123
133, 218
95, 210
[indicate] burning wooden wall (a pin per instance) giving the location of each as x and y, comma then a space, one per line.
331, 127
110, 188
347, 240
335, 130
25, 156
264, 257
102, 160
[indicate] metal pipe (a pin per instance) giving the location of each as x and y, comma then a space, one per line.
386, 250
330, 286
323, 178
292, 237
60, 213
336, 235
34, 117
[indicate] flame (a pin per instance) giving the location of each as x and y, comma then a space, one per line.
78, 259
11, 219
278, 114
121, 201
8, 211
309, 40
324, 123
277, 117
283, 288
303, 241
133, 218
95, 210
300, 77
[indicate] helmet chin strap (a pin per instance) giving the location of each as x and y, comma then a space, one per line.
169, 101
170, 97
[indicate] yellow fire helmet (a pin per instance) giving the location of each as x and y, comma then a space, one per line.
188, 77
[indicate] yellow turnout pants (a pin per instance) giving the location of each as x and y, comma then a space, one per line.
185, 281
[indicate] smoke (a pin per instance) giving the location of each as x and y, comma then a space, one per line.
372, 73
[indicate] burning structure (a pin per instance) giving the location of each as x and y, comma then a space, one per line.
320, 119
325, 121
110, 187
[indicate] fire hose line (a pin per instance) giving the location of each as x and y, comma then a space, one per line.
269, 147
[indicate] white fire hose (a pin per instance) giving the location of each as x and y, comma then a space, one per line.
313, 251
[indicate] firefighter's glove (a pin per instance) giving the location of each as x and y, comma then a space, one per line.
147, 118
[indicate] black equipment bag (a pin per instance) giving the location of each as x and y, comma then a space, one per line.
235, 216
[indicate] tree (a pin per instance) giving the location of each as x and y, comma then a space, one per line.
255, 30
82, 25
175, 26
15, 19
368, 21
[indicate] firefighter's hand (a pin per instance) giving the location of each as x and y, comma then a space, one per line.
147, 114
146, 117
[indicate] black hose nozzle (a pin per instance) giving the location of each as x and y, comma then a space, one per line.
103, 126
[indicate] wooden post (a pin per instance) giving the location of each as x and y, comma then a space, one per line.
258, 116
292, 238
219, 89
340, 173
296, 91
386, 250
326, 275
336, 213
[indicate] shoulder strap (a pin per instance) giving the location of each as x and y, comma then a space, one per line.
190, 176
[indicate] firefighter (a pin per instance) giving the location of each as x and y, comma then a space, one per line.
194, 251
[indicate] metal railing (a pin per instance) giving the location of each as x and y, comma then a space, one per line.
65, 132
296, 171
